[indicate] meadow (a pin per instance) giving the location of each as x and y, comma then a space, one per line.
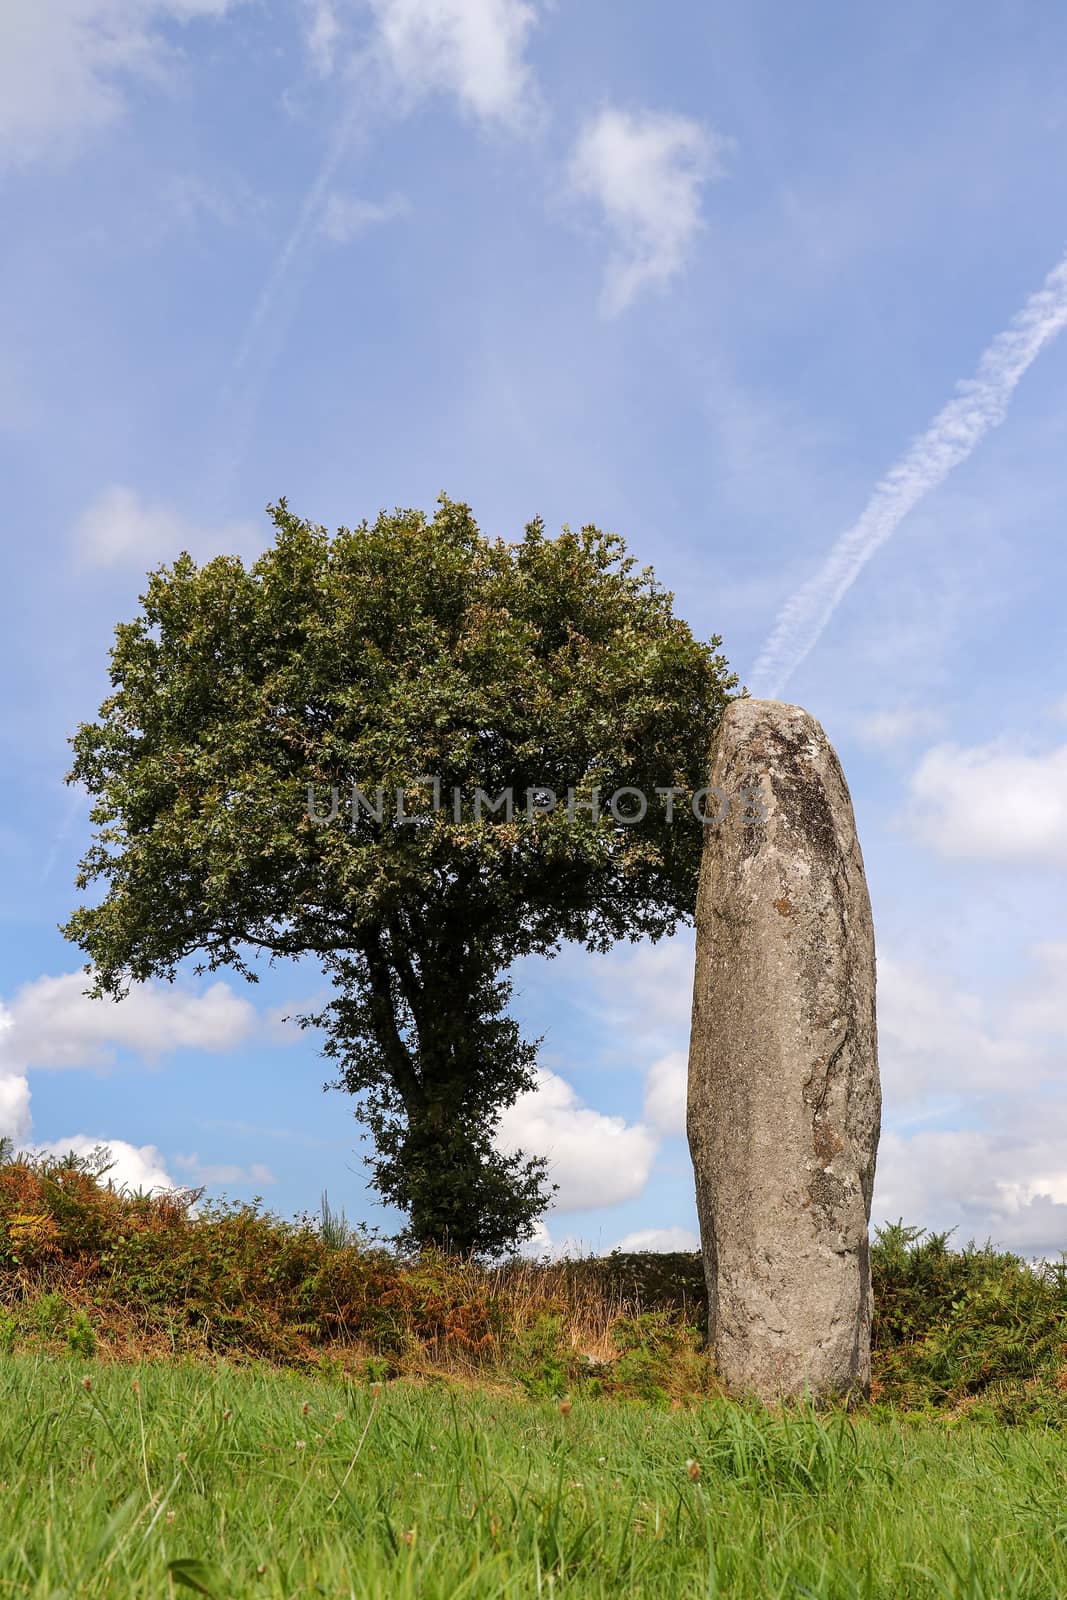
213, 1400
169, 1478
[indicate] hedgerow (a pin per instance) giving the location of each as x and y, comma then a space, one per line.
88, 1267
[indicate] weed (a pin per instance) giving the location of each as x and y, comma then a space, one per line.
49, 1312
334, 1226
540, 1358
81, 1335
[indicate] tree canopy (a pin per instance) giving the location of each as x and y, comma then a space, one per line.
410, 654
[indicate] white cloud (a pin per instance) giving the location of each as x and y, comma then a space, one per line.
937, 1040
133, 1166
539, 1243
986, 1058
187, 200
280, 1021
1019, 1194
51, 1023
597, 1160
15, 1120
123, 529
1041, 1006
992, 803
644, 171
948, 1052
345, 216
216, 1174
472, 49
666, 1085
542, 1244
64, 65
323, 33
1008, 1185
644, 993
880, 728
660, 1239
980, 403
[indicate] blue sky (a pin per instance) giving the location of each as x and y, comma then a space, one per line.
703, 275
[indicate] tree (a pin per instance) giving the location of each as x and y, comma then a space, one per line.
247, 703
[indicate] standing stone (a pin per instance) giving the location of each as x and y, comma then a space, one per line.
784, 1100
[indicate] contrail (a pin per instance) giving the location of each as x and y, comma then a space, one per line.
980, 403
307, 219
264, 332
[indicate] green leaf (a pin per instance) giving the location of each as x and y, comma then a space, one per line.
384, 657
203, 1576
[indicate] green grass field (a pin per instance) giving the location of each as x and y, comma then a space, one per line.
193, 1402
172, 1478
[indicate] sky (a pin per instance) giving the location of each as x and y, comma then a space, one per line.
778, 294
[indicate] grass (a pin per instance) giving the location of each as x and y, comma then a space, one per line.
220, 1402
85, 1269
169, 1478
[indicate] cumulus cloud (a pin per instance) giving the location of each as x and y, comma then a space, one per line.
542, 1245
65, 66
1007, 1184
992, 803
660, 1239
574, 1248
122, 528
666, 1084
345, 216
539, 1243
949, 1052
52, 1023
470, 49
132, 1166
644, 172
15, 1121
596, 1160
937, 1039
1041, 1005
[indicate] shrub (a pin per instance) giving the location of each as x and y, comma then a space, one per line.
81, 1336
953, 1325
542, 1362
85, 1266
